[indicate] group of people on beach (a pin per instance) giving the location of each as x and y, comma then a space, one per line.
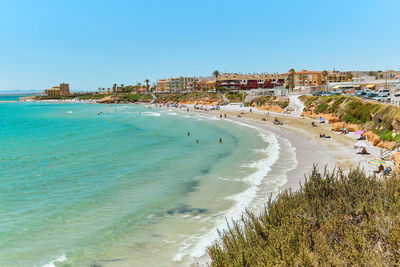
382, 169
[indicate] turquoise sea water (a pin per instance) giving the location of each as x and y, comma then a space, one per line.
10, 97
127, 187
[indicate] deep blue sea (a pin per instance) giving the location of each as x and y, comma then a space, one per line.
85, 184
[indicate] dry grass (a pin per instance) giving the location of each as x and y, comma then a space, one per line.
335, 220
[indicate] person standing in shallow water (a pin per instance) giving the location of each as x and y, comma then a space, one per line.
197, 141
188, 133
220, 140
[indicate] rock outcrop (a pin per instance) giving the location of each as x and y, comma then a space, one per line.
337, 127
109, 99
396, 160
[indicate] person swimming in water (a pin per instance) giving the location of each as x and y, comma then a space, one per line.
197, 141
220, 140
188, 133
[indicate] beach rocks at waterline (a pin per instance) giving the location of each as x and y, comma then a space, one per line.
337, 127
373, 138
376, 141
331, 118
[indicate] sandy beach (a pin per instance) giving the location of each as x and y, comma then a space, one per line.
335, 152
327, 153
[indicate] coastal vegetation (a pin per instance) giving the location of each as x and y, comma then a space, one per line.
334, 219
383, 119
272, 103
235, 96
190, 98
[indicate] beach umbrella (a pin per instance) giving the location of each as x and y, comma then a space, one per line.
359, 132
361, 144
378, 162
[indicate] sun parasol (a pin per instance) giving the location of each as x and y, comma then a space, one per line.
378, 162
359, 132
361, 144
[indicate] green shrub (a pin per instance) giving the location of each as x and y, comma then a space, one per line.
333, 220
235, 96
321, 108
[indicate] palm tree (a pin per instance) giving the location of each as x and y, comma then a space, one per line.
114, 87
325, 75
216, 75
292, 72
349, 76
99, 89
147, 84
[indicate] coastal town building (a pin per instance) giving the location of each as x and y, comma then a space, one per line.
305, 79
234, 81
390, 75
60, 90
338, 76
177, 84
202, 84
163, 85
180, 84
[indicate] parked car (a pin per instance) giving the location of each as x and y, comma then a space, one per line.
383, 92
325, 94
316, 93
382, 98
370, 95
359, 93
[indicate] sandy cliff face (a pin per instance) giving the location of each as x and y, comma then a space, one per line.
109, 99
272, 108
370, 115
270, 103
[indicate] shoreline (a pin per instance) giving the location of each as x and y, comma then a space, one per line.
327, 154
309, 148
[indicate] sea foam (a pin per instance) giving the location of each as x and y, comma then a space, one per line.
61, 258
243, 199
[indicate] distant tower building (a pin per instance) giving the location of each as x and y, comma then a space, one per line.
61, 90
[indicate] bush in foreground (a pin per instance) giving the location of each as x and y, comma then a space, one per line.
336, 219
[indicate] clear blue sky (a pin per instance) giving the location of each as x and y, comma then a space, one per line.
94, 43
